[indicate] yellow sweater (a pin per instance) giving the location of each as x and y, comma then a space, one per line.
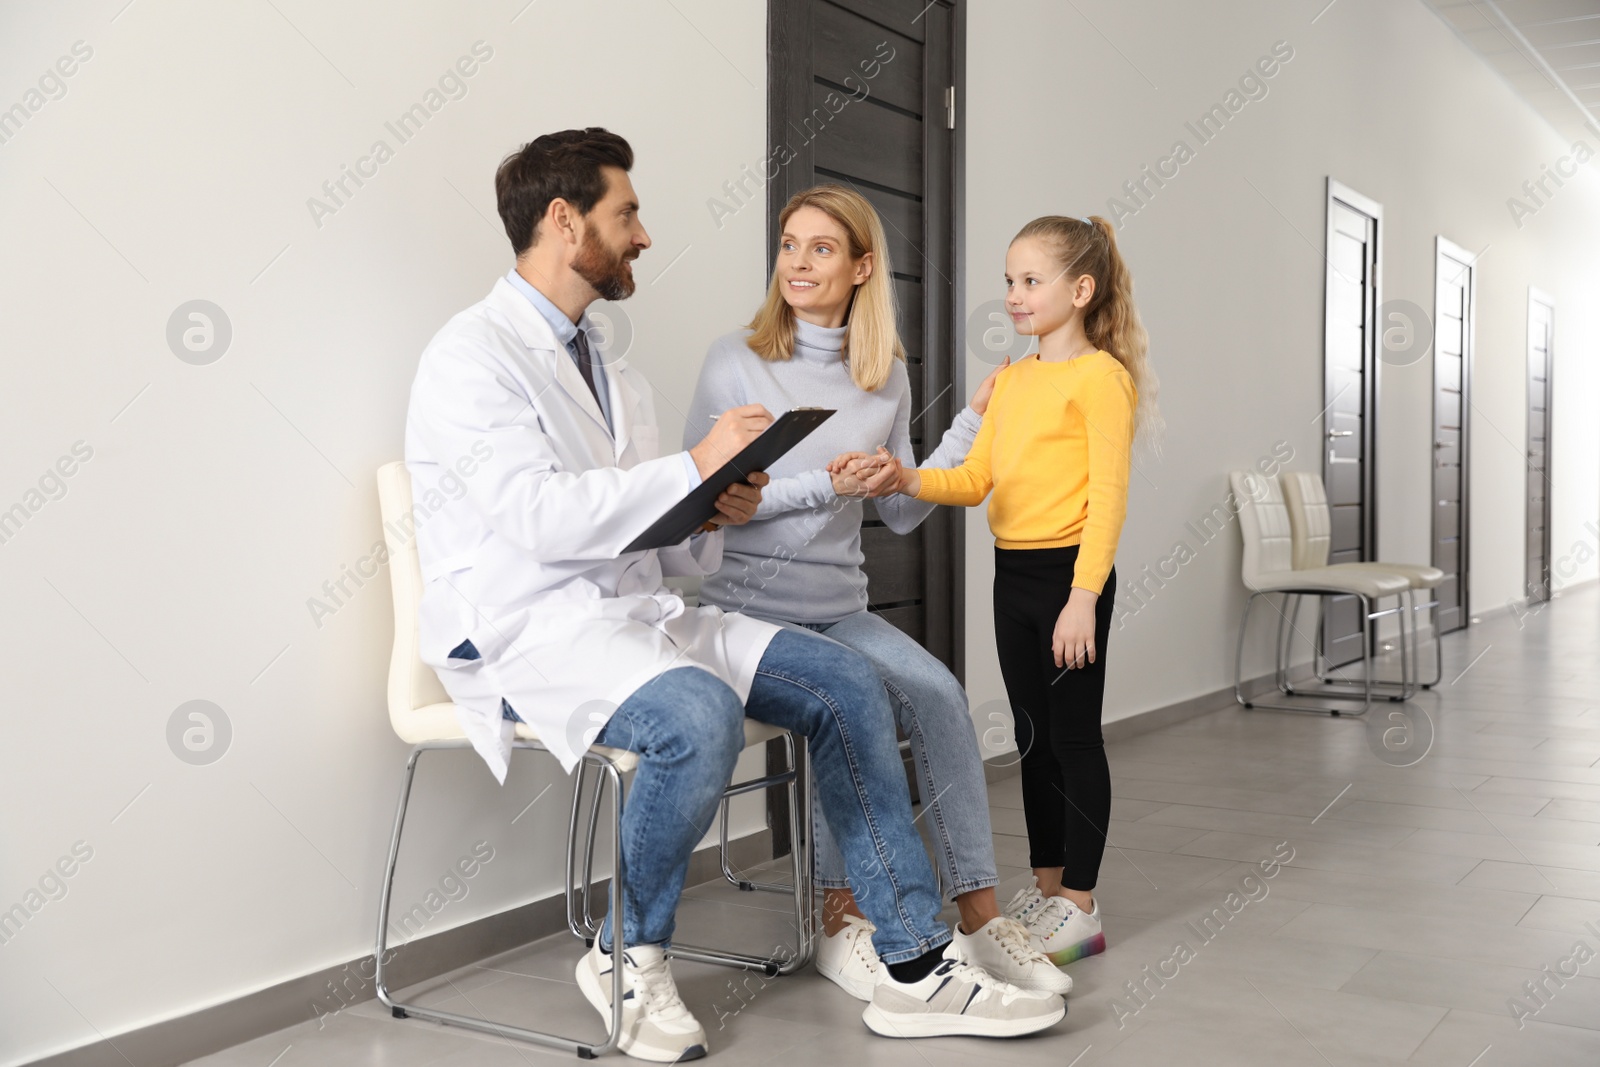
1054, 447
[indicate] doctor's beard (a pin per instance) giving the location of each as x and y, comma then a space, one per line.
610, 274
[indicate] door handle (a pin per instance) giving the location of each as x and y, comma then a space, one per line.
1341, 433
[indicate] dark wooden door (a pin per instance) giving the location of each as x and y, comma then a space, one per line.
1455, 321
1541, 347
864, 93
1350, 395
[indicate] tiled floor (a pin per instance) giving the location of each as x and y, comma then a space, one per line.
1419, 903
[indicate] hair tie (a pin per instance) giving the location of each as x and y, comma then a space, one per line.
1086, 220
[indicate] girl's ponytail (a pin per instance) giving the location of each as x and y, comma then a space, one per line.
1111, 319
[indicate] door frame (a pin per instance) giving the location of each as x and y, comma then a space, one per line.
1443, 246
1342, 193
1540, 296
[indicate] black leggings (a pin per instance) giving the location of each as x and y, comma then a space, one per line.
1066, 782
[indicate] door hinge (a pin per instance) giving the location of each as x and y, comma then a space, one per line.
950, 108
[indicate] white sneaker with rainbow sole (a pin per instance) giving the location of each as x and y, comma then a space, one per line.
1064, 932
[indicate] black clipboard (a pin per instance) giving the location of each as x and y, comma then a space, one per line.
690, 513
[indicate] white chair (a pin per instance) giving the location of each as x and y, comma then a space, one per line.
1269, 568
1311, 529
423, 716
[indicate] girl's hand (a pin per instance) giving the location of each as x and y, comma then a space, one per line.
1073, 640
980, 399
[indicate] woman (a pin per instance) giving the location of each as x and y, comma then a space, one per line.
825, 336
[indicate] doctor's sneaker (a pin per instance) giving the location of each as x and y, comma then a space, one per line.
957, 998
655, 1024
1003, 948
1024, 905
848, 960
1064, 932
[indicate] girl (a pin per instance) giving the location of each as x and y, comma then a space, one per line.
826, 336
1054, 447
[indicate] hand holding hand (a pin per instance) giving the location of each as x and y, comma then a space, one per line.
863, 475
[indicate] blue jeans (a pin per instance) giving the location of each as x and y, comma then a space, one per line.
687, 726
931, 708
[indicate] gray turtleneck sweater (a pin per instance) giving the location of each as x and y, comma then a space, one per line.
800, 558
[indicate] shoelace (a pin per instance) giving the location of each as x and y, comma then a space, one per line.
1013, 937
860, 932
659, 991
1058, 908
1023, 903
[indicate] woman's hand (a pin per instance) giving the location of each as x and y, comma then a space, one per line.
980, 399
1073, 640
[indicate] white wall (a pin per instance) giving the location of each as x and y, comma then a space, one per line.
1063, 108
177, 566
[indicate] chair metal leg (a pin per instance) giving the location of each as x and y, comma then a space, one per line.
1286, 620
1238, 652
1409, 682
1438, 650
1280, 666
577, 892
583, 1049
781, 962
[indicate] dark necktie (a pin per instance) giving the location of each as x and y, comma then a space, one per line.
580, 345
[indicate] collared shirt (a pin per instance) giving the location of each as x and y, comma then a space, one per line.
566, 332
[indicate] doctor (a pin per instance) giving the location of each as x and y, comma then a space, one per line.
532, 611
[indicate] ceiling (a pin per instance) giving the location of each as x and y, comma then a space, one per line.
1548, 50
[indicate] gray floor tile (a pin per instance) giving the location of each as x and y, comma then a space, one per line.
1480, 986
1400, 895
1444, 939
1526, 878
1580, 918
1488, 1038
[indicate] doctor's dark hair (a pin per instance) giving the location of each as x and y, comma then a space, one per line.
564, 165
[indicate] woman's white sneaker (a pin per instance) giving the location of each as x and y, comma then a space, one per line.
1003, 948
957, 998
1064, 932
655, 1024
848, 959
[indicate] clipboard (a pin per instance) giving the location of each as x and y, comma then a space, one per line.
690, 513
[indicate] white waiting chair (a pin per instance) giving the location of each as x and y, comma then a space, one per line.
1269, 568
423, 716
1311, 529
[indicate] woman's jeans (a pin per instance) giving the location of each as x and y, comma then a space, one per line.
931, 708
687, 726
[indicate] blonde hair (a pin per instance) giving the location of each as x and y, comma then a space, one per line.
871, 341
1110, 319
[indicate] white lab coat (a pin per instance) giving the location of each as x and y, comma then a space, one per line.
521, 540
